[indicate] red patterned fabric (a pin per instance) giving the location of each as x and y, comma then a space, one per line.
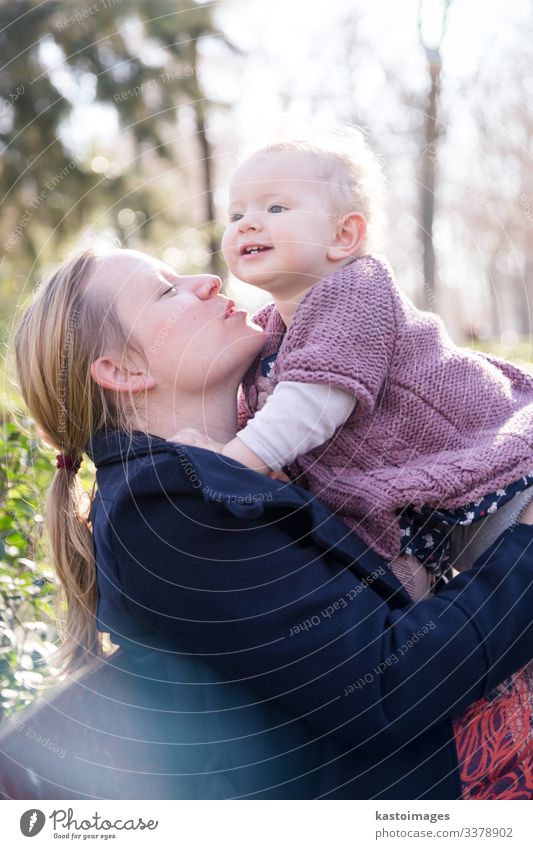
494, 740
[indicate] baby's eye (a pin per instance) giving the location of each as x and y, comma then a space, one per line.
235, 216
277, 207
172, 289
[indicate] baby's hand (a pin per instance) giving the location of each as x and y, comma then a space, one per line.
191, 436
237, 450
279, 476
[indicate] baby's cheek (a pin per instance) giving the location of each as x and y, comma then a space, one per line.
228, 242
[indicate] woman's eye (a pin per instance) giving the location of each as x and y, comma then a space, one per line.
235, 217
277, 207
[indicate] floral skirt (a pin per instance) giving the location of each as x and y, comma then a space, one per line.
494, 740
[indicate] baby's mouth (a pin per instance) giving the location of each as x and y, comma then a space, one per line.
254, 248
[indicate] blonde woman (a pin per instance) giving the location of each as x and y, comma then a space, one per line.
296, 665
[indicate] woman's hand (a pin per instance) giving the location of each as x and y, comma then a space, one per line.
527, 516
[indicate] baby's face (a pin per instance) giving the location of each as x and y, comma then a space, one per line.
280, 223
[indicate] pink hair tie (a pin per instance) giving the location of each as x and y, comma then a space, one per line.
66, 461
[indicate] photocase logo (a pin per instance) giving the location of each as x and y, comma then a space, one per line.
32, 822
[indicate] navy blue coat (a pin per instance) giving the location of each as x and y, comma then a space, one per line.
286, 659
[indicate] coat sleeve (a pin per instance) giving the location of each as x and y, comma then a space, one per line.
344, 332
260, 599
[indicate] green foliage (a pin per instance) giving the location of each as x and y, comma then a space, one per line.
27, 589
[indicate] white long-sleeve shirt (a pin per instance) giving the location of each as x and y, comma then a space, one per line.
296, 418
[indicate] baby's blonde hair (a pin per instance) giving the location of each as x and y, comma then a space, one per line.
352, 173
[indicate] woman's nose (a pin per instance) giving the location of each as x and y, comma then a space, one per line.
206, 286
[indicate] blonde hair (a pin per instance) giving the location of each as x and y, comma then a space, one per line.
350, 171
61, 332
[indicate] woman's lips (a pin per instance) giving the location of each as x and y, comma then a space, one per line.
231, 311
234, 313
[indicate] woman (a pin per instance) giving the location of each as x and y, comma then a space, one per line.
223, 583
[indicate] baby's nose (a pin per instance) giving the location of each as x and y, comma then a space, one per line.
251, 221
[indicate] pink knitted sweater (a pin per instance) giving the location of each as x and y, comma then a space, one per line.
435, 424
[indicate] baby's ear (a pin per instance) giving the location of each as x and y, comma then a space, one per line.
349, 236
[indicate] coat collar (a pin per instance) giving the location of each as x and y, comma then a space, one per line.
244, 493
116, 446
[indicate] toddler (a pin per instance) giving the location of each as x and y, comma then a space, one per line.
362, 397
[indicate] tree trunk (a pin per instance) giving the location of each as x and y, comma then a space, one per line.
429, 156
428, 181
215, 263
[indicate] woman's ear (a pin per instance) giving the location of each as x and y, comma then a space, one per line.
110, 374
349, 236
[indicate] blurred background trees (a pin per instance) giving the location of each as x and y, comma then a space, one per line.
123, 119
103, 126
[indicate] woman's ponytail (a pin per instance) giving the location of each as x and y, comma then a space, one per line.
63, 330
67, 527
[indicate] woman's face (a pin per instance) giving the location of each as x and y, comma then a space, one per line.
191, 335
